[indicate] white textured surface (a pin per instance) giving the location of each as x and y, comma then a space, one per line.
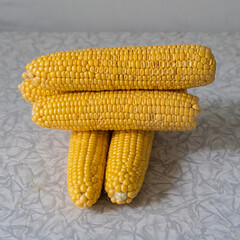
192, 187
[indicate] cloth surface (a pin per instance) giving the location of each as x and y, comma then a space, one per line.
192, 186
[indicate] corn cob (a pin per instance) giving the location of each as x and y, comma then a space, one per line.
127, 164
123, 68
31, 93
118, 110
86, 166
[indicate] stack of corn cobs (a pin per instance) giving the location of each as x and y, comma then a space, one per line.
113, 99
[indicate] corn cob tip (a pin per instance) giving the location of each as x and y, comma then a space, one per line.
32, 92
120, 196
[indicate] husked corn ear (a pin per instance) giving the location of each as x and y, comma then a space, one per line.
139, 67
86, 166
118, 110
127, 164
31, 92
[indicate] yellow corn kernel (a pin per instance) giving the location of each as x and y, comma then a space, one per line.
31, 92
86, 166
127, 164
124, 63
116, 110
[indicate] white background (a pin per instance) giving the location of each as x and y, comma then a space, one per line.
120, 15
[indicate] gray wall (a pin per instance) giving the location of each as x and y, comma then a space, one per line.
120, 15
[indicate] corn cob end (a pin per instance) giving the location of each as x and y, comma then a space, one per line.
127, 164
86, 166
